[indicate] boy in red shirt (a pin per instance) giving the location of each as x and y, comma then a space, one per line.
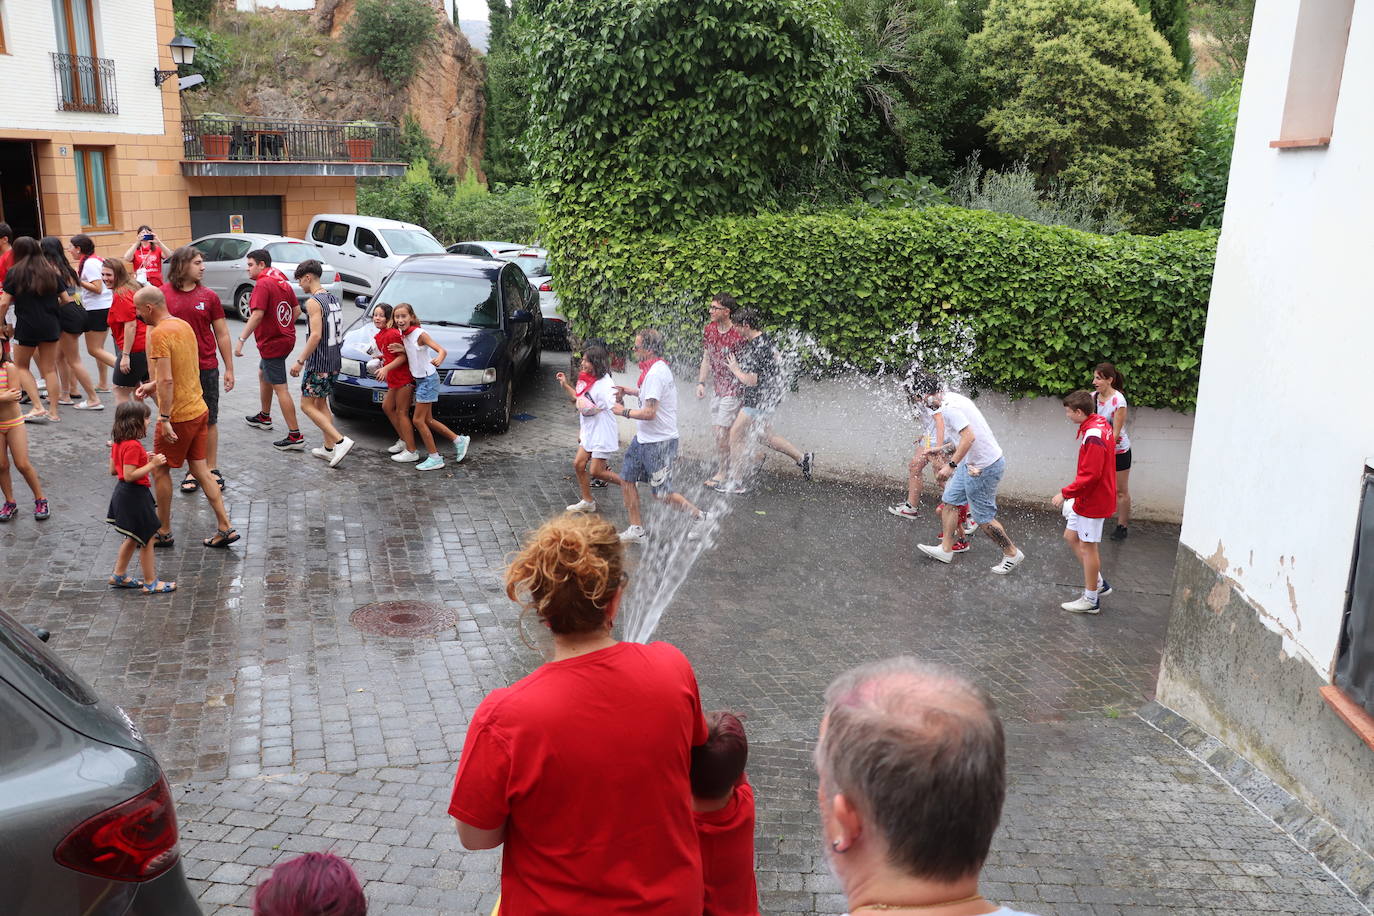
272, 323
1090, 498
723, 805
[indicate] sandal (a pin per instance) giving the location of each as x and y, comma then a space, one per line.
164, 540
118, 581
221, 538
189, 484
715, 483
159, 587
219, 478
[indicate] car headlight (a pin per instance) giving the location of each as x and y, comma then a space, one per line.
472, 376
353, 367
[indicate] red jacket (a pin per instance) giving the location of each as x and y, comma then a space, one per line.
1094, 489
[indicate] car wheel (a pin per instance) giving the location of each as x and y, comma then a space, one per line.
500, 421
242, 296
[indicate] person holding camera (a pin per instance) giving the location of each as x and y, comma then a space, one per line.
147, 254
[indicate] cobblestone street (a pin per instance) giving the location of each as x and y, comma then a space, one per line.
287, 728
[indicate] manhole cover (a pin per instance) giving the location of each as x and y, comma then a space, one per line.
403, 618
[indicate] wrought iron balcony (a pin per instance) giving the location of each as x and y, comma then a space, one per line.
85, 83
244, 139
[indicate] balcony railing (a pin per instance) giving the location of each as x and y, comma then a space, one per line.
214, 137
85, 83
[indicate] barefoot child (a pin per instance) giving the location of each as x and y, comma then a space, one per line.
424, 357
14, 441
723, 802
599, 437
133, 512
1090, 498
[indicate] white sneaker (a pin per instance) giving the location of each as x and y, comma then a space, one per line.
340, 449
323, 454
1082, 606
89, 405
700, 525
936, 552
583, 505
1009, 563
633, 535
406, 456
904, 510
397, 447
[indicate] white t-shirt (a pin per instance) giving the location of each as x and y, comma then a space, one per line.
599, 431
658, 386
960, 412
1108, 409
418, 357
90, 273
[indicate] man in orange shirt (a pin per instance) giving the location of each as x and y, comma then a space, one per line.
183, 424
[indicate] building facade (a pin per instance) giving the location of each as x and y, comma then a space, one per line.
1269, 614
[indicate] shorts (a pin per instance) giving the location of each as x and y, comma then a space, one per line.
723, 409
71, 317
137, 374
980, 493
97, 320
318, 384
274, 370
1123, 460
651, 463
190, 444
1089, 530
604, 456
209, 392
755, 413
427, 389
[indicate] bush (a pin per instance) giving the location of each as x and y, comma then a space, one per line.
1040, 303
193, 10
210, 54
1014, 192
464, 212
1204, 180
388, 34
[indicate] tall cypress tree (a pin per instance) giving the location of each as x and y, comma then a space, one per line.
1170, 18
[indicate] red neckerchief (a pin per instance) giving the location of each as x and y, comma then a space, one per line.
584, 383
644, 368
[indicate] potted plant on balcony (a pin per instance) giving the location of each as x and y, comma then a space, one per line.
214, 134
359, 137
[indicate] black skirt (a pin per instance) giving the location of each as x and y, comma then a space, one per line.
133, 511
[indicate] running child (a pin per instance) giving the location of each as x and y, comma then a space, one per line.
1109, 402
1089, 499
599, 437
392, 368
14, 444
133, 511
424, 357
723, 807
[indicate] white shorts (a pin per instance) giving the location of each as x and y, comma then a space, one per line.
1089, 530
723, 409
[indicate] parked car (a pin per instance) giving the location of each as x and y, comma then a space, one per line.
483, 313
368, 248
226, 266
484, 249
534, 264
86, 816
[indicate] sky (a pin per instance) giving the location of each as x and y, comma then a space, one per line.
472, 9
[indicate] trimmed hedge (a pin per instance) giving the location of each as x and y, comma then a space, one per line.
1041, 304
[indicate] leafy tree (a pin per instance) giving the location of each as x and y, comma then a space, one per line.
1170, 18
388, 34
1208, 168
1087, 92
508, 96
1225, 26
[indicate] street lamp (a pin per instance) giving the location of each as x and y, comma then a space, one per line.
183, 52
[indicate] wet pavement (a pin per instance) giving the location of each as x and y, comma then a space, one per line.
290, 721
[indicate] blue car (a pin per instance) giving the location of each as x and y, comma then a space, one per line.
483, 312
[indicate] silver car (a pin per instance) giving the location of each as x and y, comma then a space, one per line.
87, 823
226, 266
534, 264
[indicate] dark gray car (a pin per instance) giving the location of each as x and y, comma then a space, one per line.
87, 825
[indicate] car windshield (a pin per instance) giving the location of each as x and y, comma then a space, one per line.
411, 241
532, 266
292, 252
445, 299
16, 639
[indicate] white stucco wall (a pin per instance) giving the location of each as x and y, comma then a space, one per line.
1285, 419
125, 32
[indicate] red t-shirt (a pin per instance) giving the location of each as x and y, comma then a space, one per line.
149, 259
718, 346
400, 376
6, 261
727, 855
586, 762
130, 451
200, 308
122, 311
276, 332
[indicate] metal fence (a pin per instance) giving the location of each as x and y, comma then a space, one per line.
85, 83
217, 137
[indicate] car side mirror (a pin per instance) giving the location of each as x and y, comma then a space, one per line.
363, 302
522, 315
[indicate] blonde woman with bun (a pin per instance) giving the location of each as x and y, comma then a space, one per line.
582, 768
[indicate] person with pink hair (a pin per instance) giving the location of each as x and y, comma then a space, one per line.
315, 884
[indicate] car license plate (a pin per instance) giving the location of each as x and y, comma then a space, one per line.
377, 395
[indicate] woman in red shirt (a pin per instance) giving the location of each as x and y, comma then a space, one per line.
582, 768
147, 254
130, 334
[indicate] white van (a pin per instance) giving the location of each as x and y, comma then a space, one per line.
366, 249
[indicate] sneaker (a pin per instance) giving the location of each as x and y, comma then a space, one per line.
323, 454
432, 463
260, 420
960, 546
599, 484
88, 405
904, 510
1009, 563
1120, 533
970, 527
806, 463
405, 456
397, 447
583, 505
341, 448
7, 511
936, 552
1104, 589
40, 509
699, 526
633, 535
294, 442
1082, 606
460, 448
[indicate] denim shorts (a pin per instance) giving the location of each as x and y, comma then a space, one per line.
427, 389
980, 493
651, 463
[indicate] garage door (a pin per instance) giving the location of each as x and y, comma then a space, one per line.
260, 212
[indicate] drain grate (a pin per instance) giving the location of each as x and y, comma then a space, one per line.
404, 618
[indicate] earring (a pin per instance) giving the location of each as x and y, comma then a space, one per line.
836, 846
